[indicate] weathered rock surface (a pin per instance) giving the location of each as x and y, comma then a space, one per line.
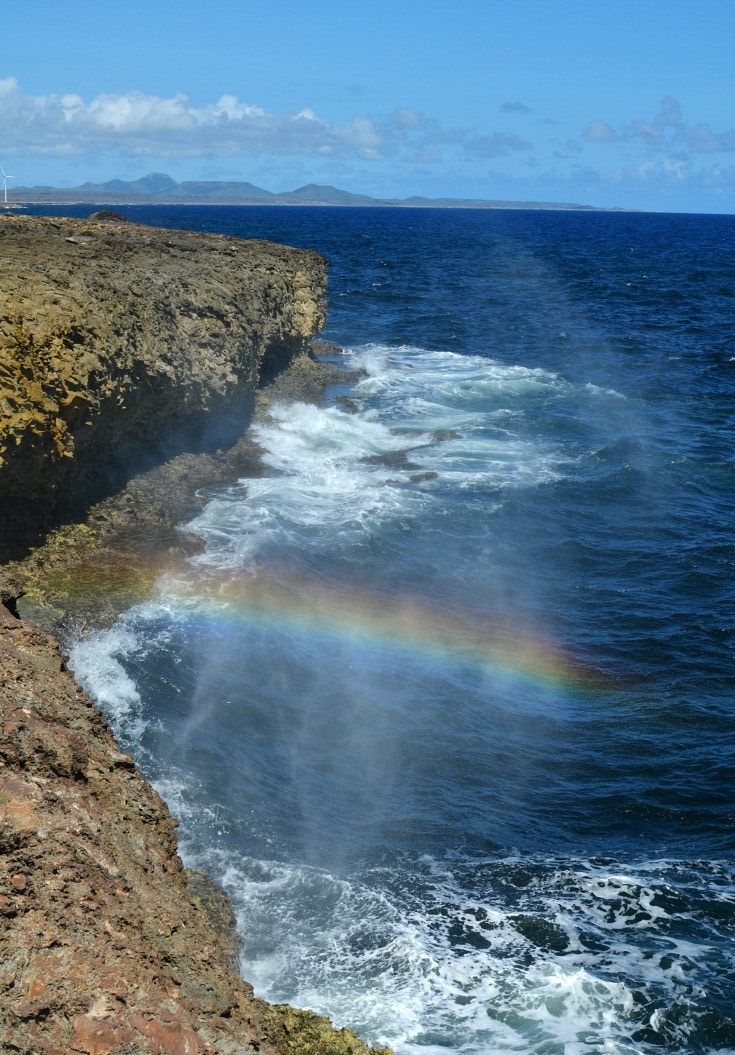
86, 573
121, 345
103, 947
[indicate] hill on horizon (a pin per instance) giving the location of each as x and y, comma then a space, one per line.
158, 188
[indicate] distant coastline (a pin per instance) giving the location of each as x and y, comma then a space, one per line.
159, 189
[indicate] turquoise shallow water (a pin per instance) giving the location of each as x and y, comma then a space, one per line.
447, 702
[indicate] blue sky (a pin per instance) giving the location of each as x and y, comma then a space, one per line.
601, 102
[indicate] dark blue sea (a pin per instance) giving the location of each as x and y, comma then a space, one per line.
447, 703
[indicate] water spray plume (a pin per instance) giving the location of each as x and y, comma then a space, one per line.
435, 633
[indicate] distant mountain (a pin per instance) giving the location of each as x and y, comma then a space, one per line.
209, 190
315, 194
156, 188
157, 183
154, 183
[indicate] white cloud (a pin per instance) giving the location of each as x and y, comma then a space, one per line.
667, 131
406, 118
229, 106
135, 113
647, 169
649, 132
676, 170
307, 115
599, 132
362, 134
133, 125
136, 124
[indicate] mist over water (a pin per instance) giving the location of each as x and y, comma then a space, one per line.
446, 703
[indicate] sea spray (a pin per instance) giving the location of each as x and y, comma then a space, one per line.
446, 700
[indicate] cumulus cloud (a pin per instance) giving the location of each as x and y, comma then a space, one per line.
666, 131
136, 125
648, 131
404, 118
703, 140
677, 170
139, 124
599, 132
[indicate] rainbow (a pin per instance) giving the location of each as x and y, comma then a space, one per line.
358, 617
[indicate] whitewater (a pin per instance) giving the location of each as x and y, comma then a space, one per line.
445, 702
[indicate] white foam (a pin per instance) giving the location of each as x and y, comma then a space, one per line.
449, 378
101, 659
97, 666
420, 963
323, 492
460, 421
480, 403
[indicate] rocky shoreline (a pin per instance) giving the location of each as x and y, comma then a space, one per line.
122, 346
107, 945
104, 945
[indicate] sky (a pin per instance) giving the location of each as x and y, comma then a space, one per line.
612, 103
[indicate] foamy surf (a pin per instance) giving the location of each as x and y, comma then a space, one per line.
508, 955
424, 420
446, 701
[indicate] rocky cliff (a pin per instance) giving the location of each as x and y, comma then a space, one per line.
107, 946
121, 345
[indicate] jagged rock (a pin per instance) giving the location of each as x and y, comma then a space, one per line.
348, 405
108, 216
440, 435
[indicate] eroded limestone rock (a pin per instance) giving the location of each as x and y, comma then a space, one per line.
104, 948
122, 345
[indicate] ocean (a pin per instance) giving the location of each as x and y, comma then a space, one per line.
447, 701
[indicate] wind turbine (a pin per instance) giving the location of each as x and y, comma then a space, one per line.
6, 177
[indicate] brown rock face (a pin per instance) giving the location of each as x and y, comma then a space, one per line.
121, 345
103, 949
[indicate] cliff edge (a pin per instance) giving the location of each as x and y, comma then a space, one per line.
120, 347
123, 345
104, 947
